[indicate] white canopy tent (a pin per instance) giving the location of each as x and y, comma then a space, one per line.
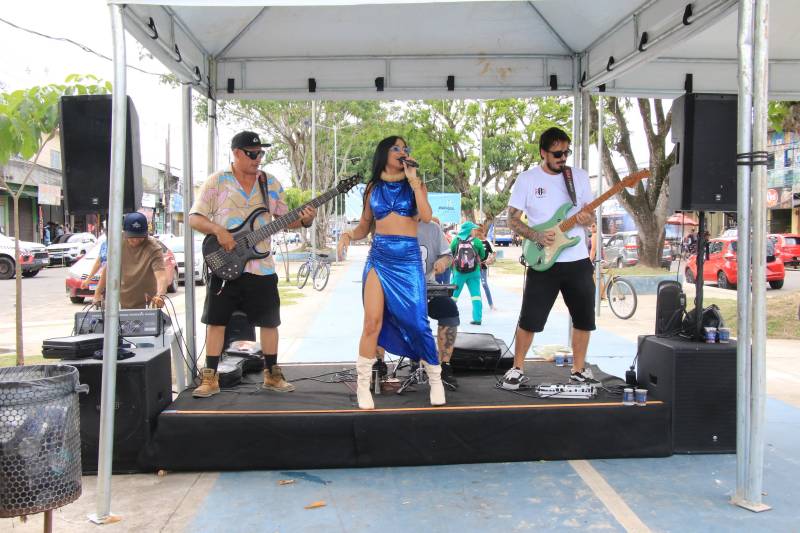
326, 50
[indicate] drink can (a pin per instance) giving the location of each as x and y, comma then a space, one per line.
641, 397
559, 359
568, 359
724, 335
711, 335
627, 397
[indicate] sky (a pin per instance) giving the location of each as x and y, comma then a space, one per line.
28, 60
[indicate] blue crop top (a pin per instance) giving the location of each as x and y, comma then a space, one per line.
392, 197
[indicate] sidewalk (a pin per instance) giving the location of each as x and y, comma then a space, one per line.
679, 493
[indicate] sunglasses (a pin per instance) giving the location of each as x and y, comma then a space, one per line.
558, 154
253, 154
398, 149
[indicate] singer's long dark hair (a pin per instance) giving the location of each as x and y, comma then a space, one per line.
379, 160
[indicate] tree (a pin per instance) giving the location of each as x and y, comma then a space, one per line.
28, 121
647, 204
784, 116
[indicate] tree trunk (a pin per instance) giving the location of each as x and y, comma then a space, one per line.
18, 300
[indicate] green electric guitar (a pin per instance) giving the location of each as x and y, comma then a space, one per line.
540, 257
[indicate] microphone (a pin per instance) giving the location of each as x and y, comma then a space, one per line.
412, 164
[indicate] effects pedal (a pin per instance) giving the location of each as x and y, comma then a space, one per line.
583, 391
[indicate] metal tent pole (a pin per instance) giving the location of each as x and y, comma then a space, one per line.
211, 165
188, 240
599, 221
743, 145
119, 106
314, 171
480, 167
755, 466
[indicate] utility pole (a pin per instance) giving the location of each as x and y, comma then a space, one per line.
167, 185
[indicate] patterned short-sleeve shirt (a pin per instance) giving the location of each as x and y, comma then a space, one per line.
223, 201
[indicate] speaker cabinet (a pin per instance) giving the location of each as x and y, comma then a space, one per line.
144, 389
704, 133
699, 382
86, 154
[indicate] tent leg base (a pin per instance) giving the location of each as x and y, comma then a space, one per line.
102, 520
756, 507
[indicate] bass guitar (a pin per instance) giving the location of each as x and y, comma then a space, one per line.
540, 257
229, 265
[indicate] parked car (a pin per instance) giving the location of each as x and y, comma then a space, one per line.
622, 249
70, 248
787, 245
720, 266
176, 245
32, 257
79, 271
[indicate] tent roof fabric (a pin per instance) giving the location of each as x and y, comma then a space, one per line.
490, 48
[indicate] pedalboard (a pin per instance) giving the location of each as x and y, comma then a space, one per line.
583, 391
132, 322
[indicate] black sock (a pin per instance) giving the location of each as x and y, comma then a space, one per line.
270, 360
212, 362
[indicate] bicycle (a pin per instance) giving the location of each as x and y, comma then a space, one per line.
620, 293
315, 267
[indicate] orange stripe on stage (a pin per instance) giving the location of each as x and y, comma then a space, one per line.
402, 409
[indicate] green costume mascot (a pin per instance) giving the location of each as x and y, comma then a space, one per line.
468, 252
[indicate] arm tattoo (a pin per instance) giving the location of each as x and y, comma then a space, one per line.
518, 226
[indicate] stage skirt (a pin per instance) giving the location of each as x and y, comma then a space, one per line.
406, 330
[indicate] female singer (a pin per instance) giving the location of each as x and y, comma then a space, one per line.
394, 293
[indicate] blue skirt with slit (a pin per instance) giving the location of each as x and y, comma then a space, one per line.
405, 330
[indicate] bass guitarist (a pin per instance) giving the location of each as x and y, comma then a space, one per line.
538, 192
224, 202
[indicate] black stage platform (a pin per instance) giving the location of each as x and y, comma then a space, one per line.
319, 425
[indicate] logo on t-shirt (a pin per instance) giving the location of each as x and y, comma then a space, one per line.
540, 192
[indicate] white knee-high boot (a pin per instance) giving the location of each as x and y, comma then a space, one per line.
435, 381
364, 372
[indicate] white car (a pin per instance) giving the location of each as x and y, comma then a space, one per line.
71, 248
176, 245
33, 258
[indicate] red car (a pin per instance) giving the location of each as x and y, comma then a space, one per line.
788, 246
80, 270
720, 266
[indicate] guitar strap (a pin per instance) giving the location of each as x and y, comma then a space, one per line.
262, 186
567, 173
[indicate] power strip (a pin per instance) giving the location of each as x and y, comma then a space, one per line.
582, 391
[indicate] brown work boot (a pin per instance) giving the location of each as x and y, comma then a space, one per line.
209, 384
274, 380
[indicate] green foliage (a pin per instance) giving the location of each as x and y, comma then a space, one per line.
28, 116
296, 197
777, 114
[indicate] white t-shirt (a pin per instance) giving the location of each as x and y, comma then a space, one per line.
539, 194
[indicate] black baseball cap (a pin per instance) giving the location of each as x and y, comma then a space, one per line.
243, 139
135, 225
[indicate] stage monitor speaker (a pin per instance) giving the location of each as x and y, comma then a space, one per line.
698, 380
86, 154
703, 177
144, 389
670, 306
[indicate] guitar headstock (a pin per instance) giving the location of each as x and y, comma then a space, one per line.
630, 181
348, 183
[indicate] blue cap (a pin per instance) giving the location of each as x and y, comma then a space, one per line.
135, 225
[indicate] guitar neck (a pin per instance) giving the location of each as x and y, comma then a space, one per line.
292, 216
569, 223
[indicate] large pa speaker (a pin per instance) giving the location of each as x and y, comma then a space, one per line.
698, 380
704, 133
86, 154
144, 389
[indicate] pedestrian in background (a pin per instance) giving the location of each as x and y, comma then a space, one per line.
490, 259
468, 252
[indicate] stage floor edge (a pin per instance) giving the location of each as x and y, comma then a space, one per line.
320, 426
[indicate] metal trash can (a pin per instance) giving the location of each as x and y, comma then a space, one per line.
40, 439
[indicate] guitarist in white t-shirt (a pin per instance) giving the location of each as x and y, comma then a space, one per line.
539, 193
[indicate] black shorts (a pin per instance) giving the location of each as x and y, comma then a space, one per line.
256, 296
575, 281
444, 310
